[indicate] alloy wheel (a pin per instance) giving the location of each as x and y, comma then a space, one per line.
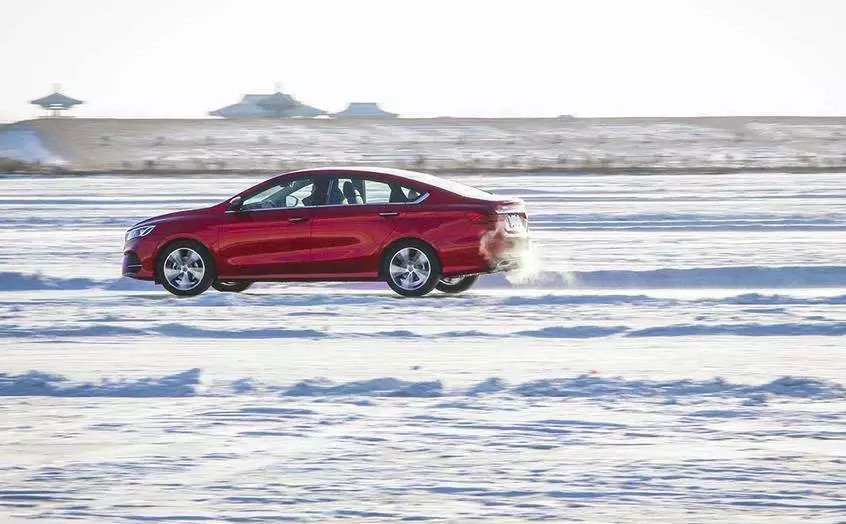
184, 269
410, 268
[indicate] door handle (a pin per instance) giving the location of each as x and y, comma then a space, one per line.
388, 214
297, 219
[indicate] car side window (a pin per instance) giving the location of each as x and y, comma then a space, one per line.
298, 192
410, 193
345, 191
377, 192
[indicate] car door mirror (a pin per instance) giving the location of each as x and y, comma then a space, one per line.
235, 204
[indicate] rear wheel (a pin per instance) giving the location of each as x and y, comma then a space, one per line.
185, 268
232, 286
456, 284
411, 268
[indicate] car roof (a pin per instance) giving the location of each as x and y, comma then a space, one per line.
403, 173
443, 184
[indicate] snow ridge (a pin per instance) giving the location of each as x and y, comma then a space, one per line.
42, 384
188, 383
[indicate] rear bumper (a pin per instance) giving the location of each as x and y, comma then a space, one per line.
489, 252
506, 264
507, 252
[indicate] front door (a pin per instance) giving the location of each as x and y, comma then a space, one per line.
270, 236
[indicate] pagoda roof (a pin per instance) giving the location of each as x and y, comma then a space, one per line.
249, 110
278, 101
279, 105
364, 109
56, 100
252, 99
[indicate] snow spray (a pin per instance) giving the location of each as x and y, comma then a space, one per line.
495, 246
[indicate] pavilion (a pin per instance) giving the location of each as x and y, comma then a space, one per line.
277, 105
364, 109
55, 103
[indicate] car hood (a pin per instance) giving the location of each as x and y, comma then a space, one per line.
169, 217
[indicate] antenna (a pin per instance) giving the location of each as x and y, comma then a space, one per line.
57, 87
277, 87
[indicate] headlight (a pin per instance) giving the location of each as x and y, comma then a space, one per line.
139, 232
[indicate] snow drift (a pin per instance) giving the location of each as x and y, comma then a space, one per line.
22, 142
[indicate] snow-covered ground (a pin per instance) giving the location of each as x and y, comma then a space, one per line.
22, 142
679, 357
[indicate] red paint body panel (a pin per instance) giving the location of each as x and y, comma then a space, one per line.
266, 243
346, 241
338, 242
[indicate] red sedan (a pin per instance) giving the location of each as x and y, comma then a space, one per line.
415, 231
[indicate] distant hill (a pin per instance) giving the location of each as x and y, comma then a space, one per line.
601, 144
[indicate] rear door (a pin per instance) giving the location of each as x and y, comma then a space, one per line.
348, 232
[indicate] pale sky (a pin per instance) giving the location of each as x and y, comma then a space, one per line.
183, 58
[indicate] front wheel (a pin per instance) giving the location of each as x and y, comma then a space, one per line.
232, 286
186, 268
456, 284
411, 268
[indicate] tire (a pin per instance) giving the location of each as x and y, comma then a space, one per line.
231, 286
185, 268
411, 268
456, 284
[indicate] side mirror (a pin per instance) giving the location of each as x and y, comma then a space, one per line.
235, 204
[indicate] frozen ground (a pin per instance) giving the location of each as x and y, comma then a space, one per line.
678, 358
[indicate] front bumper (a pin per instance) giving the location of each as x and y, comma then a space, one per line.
139, 259
131, 263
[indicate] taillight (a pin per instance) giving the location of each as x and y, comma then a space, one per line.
481, 218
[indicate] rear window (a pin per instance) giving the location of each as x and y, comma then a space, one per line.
454, 187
